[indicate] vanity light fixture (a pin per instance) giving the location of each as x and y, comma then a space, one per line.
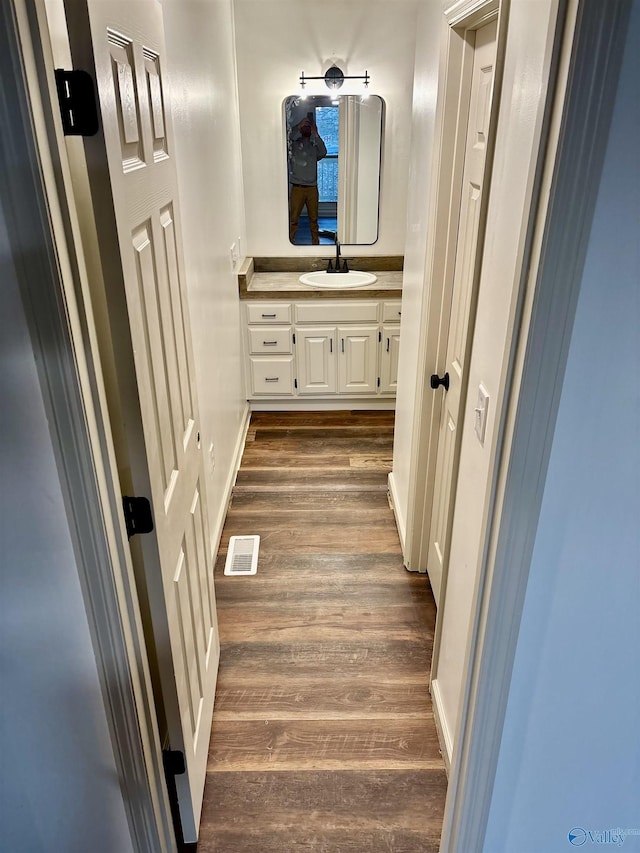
334, 78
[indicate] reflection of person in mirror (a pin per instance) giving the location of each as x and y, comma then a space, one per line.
305, 149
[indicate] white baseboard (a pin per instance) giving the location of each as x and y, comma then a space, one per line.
238, 450
340, 404
442, 727
395, 506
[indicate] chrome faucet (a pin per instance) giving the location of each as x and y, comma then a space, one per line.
337, 267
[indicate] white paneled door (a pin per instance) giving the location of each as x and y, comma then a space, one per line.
460, 322
135, 199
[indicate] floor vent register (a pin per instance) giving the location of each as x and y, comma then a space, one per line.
242, 556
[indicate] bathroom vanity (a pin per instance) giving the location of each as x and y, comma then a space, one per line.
333, 348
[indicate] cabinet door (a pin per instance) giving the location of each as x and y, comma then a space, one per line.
358, 359
389, 358
316, 360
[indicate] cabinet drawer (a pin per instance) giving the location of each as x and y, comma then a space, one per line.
391, 312
272, 375
269, 312
337, 312
271, 339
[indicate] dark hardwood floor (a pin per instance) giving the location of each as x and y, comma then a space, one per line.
323, 736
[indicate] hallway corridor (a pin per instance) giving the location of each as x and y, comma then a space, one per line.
323, 736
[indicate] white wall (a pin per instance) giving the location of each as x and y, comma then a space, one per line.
200, 61
415, 285
526, 67
570, 754
58, 784
275, 42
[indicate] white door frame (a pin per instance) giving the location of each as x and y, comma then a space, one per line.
454, 89
53, 282
589, 53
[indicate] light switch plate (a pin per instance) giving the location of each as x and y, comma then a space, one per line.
481, 412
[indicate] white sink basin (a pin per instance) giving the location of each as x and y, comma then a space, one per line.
337, 280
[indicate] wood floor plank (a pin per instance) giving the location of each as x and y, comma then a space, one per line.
302, 840
319, 501
331, 521
325, 539
303, 592
304, 433
355, 658
406, 798
345, 812
273, 585
269, 624
327, 698
346, 479
310, 515
320, 444
324, 745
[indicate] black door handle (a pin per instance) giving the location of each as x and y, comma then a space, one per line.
436, 381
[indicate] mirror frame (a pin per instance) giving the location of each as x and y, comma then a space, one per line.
374, 188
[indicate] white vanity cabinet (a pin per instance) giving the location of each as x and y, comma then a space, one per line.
322, 349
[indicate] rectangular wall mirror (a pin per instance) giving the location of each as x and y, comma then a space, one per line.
334, 146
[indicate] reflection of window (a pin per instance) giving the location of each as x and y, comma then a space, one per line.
327, 122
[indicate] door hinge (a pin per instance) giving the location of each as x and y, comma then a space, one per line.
77, 99
173, 761
137, 515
